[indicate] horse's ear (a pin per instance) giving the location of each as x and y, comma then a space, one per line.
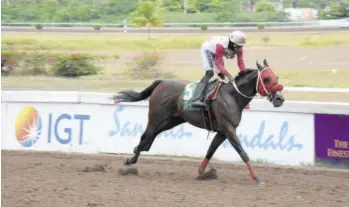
259, 65
265, 62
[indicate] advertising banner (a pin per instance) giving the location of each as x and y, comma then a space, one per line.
332, 138
283, 138
275, 137
51, 127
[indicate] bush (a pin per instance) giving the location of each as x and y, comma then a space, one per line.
260, 26
10, 60
116, 56
224, 16
12, 57
97, 27
5, 68
144, 66
27, 63
34, 64
265, 39
265, 6
74, 65
203, 27
42, 63
39, 26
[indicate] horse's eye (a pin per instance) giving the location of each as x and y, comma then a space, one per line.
266, 80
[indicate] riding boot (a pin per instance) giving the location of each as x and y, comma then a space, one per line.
197, 100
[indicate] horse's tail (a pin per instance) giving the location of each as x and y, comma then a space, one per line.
133, 96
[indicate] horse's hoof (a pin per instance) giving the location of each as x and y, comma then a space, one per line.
201, 171
135, 150
258, 180
209, 175
126, 161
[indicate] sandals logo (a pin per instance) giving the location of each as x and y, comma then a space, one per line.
28, 126
129, 127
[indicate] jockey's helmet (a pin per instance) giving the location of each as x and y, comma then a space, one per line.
238, 37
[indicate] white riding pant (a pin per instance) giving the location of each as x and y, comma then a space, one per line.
208, 60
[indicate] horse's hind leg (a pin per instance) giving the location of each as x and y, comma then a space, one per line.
134, 158
163, 126
148, 137
149, 134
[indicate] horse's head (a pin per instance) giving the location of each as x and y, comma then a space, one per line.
268, 85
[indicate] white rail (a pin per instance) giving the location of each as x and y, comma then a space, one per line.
317, 90
76, 97
313, 23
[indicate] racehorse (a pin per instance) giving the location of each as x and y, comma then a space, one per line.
167, 109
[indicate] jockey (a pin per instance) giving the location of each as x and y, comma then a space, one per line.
212, 52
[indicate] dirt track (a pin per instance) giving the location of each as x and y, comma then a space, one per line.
43, 179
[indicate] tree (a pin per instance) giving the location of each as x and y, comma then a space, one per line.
173, 5
118, 7
336, 11
228, 10
317, 4
265, 6
216, 5
191, 6
148, 14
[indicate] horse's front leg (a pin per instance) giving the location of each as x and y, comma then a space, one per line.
216, 142
234, 140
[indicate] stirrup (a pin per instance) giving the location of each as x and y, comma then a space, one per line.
199, 103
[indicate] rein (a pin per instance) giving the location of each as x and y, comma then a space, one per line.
259, 78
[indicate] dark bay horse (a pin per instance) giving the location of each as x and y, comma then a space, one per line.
166, 109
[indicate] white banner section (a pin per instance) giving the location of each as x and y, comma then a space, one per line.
276, 137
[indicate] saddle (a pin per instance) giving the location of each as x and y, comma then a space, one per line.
209, 95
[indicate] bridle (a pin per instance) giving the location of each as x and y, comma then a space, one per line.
259, 79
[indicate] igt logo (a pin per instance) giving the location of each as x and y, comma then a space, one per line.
29, 127
66, 137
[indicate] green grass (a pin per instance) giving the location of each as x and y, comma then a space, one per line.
89, 42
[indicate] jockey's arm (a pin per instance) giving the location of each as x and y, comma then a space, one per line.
240, 59
219, 61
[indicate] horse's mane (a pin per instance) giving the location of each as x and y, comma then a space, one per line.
242, 74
